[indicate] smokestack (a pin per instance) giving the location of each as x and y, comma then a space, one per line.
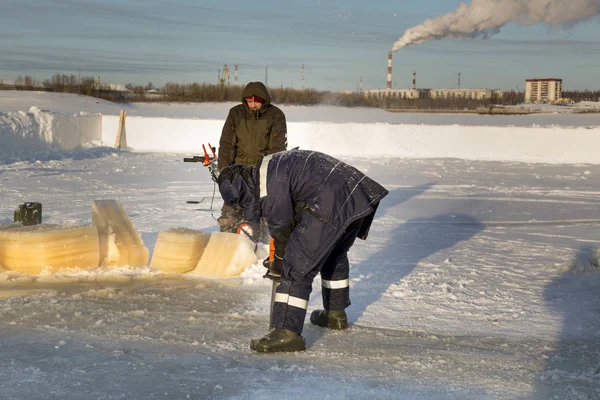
389, 76
235, 73
302, 76
360, 88
485, 18
414, 80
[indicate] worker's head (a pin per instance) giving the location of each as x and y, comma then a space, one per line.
256, 95
255, 102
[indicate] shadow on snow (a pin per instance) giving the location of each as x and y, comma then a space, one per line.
572, 367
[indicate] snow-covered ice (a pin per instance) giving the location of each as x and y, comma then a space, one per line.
479, 280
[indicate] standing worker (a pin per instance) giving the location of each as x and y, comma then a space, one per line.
315, 206
252, 130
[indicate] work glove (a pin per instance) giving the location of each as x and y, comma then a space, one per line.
248, 229
274, 268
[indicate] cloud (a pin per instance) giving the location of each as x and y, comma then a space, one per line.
485, 18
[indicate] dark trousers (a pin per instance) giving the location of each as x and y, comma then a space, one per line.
293, 293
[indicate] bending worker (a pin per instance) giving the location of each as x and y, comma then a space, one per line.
315, 206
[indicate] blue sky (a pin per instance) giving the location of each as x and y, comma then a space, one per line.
138, 41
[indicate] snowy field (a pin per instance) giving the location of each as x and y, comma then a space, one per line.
479, 280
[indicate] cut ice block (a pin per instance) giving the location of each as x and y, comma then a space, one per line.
120, 243
225, 256
178, 250
36, 248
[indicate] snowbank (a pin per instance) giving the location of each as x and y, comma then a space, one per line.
24, 133
534, 144
36, 131
163, 134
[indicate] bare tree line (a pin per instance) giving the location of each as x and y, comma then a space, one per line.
62, 83
585, 95
190, 92
195, 92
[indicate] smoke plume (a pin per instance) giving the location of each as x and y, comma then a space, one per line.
484, 18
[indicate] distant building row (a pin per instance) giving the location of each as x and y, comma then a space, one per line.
546, 90
411, 94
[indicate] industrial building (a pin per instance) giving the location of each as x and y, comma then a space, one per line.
546, 90
414, 93
411, 94
471, 94
402, 94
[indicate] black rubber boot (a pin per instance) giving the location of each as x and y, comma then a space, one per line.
333, 319
278, 340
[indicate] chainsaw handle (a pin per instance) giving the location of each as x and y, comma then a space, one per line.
193, 159
207, 161
207, 158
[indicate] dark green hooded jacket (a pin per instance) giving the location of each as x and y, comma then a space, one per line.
250, 135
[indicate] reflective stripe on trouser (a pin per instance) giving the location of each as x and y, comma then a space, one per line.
291, 299
335, 271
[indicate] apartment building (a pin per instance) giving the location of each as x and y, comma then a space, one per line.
546, 90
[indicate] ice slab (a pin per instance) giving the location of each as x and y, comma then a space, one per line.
226, 255
178, 250
120, 243
48, 248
